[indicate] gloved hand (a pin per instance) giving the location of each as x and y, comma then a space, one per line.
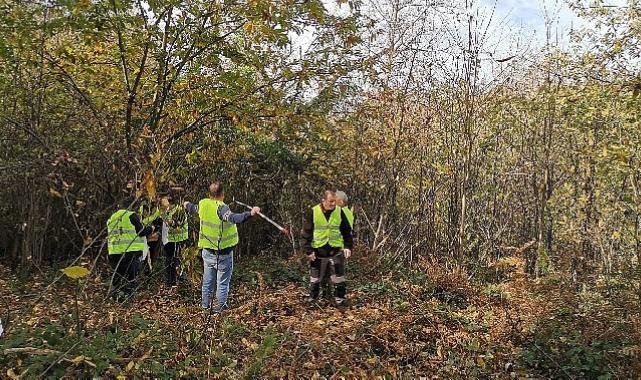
347, 252
311, 256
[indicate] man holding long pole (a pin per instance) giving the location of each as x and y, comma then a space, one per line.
282, 229
217, 238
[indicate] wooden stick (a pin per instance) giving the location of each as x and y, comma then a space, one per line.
29, 350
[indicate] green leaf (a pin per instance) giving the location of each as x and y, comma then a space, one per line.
75, 272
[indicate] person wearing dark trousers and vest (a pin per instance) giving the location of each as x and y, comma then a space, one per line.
125, 244
342, 202
175, 232
327, 241
217, 238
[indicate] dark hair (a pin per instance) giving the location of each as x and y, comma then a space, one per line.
128, 202
216, 189
328, 192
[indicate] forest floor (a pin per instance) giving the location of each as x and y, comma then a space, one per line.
402, 322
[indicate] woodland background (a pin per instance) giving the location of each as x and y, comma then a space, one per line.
495, 183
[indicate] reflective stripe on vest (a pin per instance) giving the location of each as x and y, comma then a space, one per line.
215, 233
121, 234
327, 231
178, 234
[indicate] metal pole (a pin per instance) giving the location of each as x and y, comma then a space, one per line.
280, 228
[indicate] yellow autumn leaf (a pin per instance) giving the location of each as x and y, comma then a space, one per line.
249, 27
75, 272
146, 354
82, 360
150, 184
155, 158
78, 359
55, 192
12, 375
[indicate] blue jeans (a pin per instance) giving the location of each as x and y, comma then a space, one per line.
216, 268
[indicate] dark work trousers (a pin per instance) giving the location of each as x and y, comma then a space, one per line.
172, 261
332, 266
127, 266
154, 253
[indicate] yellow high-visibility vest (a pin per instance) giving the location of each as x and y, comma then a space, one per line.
214, 233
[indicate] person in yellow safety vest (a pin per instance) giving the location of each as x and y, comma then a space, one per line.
342, 202
125, 244
327, 240
175, 232
217, 238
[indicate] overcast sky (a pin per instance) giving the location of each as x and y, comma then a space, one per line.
529, 16
531, 13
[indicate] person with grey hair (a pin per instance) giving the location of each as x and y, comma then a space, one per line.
342, 202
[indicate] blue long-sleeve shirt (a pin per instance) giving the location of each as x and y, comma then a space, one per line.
225, 214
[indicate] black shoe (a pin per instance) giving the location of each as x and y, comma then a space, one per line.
119, 296
340, 302
326, 294
114, 295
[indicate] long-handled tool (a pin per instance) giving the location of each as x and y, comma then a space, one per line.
280, 228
